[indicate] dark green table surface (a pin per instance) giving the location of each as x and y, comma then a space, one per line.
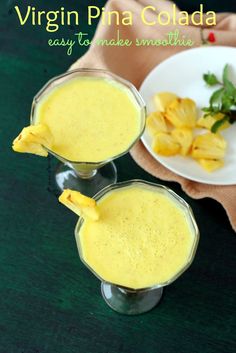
49, 302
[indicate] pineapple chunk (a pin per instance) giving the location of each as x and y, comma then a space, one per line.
82, 205
156, 123
32, 139
208, 121
163, 99
210, 164
165, 145
209, 146
182, 113
184, 137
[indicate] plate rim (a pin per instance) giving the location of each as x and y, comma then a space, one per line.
185, 52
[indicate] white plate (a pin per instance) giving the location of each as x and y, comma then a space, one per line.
182, 74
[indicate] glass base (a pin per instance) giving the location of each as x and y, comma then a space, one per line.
67, 178
130, 302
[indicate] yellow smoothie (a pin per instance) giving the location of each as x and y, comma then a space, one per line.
142, 238
91, 119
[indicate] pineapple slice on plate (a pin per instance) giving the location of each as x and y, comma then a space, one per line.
32, 139
208, 121
182, 112
163, 99
184, 137
156, 123
82, 205
165, 144
209, 146
210, 164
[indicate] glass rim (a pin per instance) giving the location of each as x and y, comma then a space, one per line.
128, 84
174, 195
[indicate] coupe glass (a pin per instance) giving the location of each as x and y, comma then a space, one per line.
131, 301
88, 177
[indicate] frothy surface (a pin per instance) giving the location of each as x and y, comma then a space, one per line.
142, 238
91, 119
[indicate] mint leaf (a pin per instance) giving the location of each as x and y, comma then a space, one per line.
223, 100
226, 102
229, 87
225, 74
216, 96
211, 79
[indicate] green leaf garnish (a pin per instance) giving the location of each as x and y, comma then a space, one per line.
223, 100
211, 79
216, 96
225, 74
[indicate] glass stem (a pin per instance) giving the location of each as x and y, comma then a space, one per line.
130, 302
86, 174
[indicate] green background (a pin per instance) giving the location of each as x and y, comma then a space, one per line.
49, 302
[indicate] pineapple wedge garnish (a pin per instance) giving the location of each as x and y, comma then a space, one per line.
184, 137
165, 144
163, 99
209, 146
83, 206
210, 165
182, 112
208, 121
156, 123
32, 139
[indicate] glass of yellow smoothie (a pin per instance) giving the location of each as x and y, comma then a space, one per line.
94, 117
144, 239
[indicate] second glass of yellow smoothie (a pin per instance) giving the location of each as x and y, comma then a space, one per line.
94, 117
145, 238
